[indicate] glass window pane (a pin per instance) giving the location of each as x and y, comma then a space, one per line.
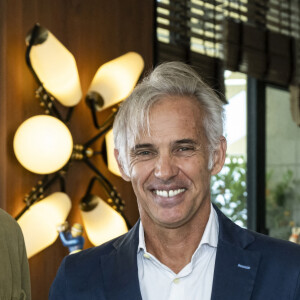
283, 165
229, 186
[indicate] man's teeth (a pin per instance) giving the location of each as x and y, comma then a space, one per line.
170, 193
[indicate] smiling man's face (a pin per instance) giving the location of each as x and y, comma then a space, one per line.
169, 167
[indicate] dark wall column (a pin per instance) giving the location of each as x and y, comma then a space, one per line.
256, 155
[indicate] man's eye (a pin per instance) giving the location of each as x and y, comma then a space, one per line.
183, 149
143, 153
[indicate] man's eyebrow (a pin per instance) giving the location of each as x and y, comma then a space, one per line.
186, 141
141, 146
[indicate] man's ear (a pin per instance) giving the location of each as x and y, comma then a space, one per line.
124, 175
219, 156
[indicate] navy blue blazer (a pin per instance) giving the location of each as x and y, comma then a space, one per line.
248, 266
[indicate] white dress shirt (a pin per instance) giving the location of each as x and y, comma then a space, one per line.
194, 281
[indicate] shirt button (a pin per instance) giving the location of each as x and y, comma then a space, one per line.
176, 280
146, 255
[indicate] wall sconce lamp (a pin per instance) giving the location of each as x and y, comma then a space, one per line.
98, 215
44, 145
123, 73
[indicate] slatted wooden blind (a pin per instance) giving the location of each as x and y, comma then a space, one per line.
257, 37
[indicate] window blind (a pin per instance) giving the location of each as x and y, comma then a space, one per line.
257, 37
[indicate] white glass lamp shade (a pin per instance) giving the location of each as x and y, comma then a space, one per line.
115, 80
111, 160
43, 144
56, 68
102, 223
39, 223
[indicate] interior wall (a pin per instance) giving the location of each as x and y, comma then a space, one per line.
95, 31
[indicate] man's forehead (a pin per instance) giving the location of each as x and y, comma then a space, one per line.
182, 106
181, 115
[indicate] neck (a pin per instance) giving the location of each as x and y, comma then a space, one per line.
174, 247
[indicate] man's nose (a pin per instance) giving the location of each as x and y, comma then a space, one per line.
165, 167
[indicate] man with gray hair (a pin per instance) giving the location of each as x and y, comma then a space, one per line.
169, 142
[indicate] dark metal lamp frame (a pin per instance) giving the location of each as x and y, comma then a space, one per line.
80, 152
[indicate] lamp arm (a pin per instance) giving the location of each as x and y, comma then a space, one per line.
91, 185
32, 39
62, 183
50, 107
69, 114
95, 102
104, 128
111, 192
20, 214
37, 192
96, 170
108, 187
94, 116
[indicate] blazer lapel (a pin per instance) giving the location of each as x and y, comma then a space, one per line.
236, 267
234, 275
120, 270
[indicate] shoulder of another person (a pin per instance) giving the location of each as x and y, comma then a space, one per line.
8, 223
6, 217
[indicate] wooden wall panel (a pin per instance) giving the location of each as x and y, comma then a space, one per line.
2, 105
95, 31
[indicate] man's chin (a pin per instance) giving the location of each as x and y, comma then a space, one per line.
171, 222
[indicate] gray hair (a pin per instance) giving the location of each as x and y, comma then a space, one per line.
168, 79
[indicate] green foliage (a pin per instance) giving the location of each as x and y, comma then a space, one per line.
228, 189
280, 197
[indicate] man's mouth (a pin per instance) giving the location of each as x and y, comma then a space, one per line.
168, 193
